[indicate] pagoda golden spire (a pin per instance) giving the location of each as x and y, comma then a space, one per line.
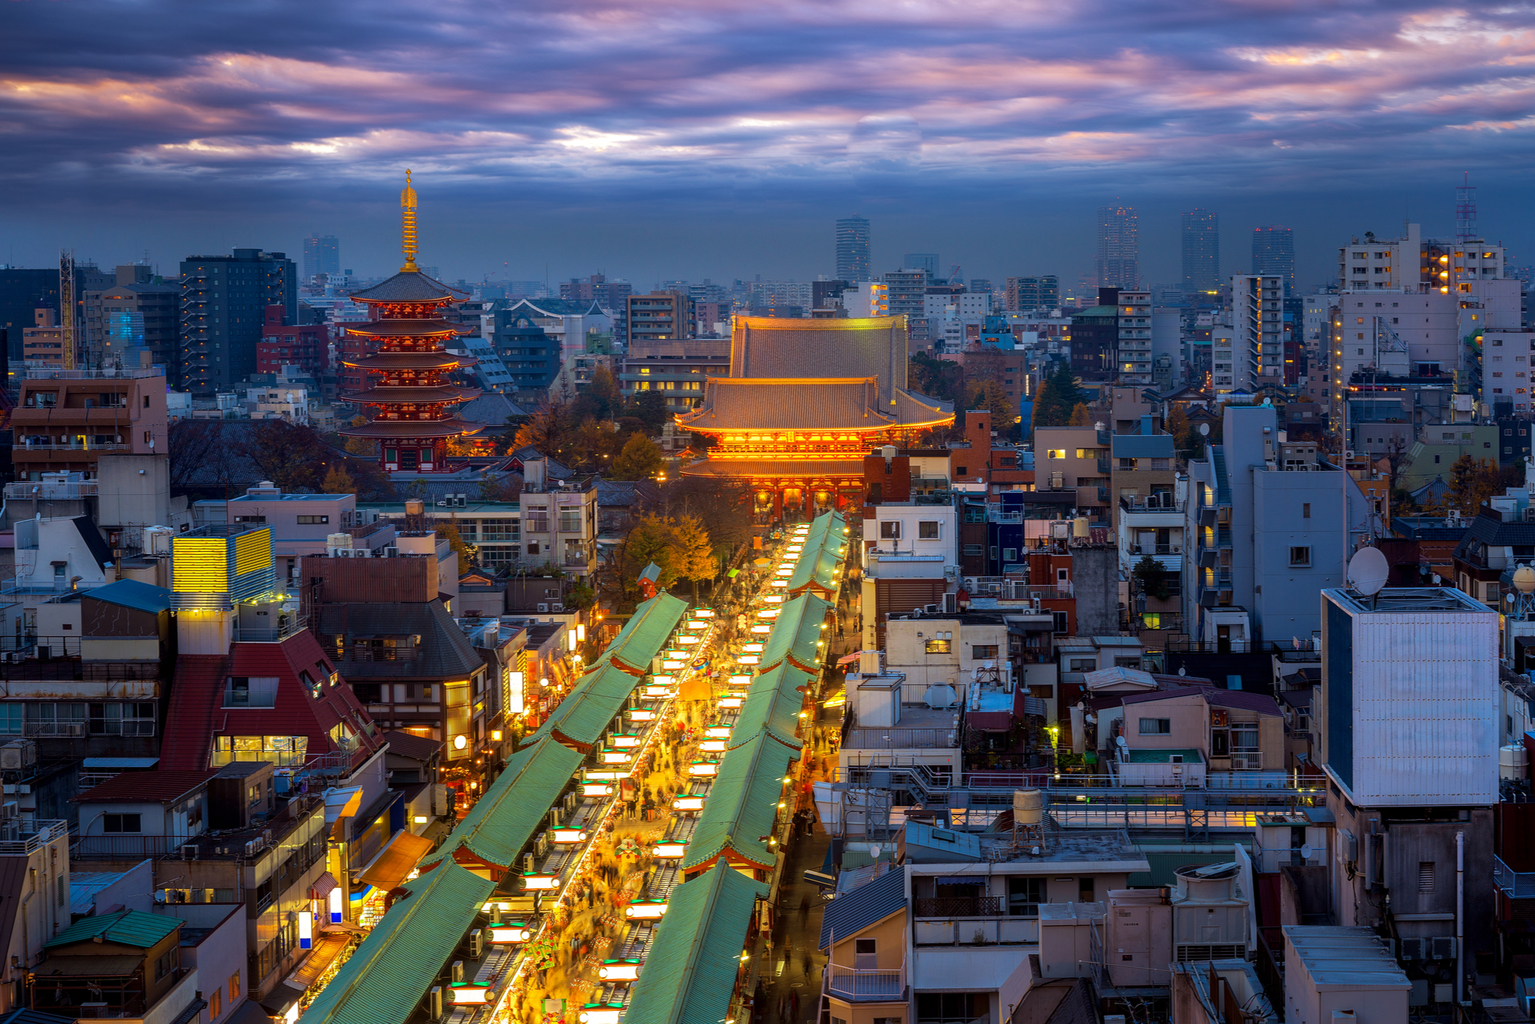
408, 225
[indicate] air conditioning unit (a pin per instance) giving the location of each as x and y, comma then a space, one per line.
1412, 949
556, 606
434, 1002
457, 973
476, 943
18, 755
1442, 947
529, 863
543, 606
10, 810
189, 851
266, 838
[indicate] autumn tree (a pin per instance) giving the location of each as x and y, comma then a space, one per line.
1081, 415
338, 481
640, 459
466, 552
988, 395
1178, 425
1472, 483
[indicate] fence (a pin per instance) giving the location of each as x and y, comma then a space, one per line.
852, 983
959, 906
900, 739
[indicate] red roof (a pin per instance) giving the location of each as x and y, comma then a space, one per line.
1261, 703
197, 712
162, 787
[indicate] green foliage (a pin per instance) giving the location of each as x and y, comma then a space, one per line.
1151, 578
650, 408
936, 378
640, 459
1057, 397
988, 395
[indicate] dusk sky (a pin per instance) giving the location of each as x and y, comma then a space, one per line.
672, 139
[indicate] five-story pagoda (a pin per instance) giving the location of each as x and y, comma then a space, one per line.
409, 392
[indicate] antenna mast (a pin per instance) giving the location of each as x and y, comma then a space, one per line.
408, 244
1465, 210
67, 305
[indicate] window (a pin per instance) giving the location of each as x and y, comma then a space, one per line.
215, 1004
234, 986
1062, 623
1305, 510
1055, 453
1300, 556
10, 719
973, 549
890, 530
570, 520
1024, 895
313, 520
250, 692
1425, 876
1082, 665
982, 651
864, 953
1244, 746
937, 647
1156, 726
167, 964
119, 824
927, 531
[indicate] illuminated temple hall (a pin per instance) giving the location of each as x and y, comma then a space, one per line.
410, 393
805, 401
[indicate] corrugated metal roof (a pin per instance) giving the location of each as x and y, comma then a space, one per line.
851, 912
691, 967
502, 821
1190, 755
146, 597
389, 974
796, 632
772, 706
591, 704
742, 804
126, 927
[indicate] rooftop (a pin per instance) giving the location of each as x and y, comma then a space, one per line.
1410, 600
146, 787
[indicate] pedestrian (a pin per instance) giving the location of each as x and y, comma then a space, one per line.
804, 911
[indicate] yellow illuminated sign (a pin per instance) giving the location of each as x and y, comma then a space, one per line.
200, 566
253, 551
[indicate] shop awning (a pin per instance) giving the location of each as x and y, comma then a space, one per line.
326, 949
322, 886
395, 861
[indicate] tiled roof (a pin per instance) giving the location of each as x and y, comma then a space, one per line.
1262, 703
767, 347
772, 707
126, 928
742, 804
490, 408
691, 967
502, 821
591, 705
420, 748
410, 286
795, 633
407, 950
805, 404
853, 911
146, 787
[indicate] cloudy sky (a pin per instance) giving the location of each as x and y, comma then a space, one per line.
689, 138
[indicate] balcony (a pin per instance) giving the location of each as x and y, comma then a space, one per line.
871, 985
1516, 885
70, 446
959, 906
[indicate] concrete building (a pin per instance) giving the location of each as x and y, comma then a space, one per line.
866, 299
305, 346
659, 316
1274, 254
42, 344
1417, 264
1257, 326
135, 323
1408, 731
1266, 521
65, 420
1078, 460
676, 368
906, 292
1133, 355
1031, 293
223, 313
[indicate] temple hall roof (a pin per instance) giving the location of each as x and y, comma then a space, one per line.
814, 403
783, 348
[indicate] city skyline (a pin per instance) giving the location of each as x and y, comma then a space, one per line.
253, 131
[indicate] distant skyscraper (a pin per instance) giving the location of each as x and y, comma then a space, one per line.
853, 259
1119, 248
927, 261
1201, 252
322, 255
1274, 253
223, 313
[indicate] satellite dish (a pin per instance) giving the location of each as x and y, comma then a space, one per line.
1306, 851
1204, 430
874, 851
1368, 571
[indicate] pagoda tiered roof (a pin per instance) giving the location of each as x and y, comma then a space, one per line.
410, 286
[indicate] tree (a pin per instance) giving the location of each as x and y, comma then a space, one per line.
603, 394
1081, 415
338, 481
936, 378
1178, 425
1472, 483
694, 554
544, 429
1058, 395
1151, 578
988, 395
650, 408
466, 554
641, 459
499, 488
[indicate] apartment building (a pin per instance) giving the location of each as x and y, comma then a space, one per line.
1077, 460
659, 316
65, 419
677, 368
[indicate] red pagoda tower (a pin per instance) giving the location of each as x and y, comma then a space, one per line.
409, 393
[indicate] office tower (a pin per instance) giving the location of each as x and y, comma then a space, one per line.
1274, 253
980, 284
223, 313
927, 261
1118, 247
854, 262
137, 319
1202, 255
322, 255
1024, 293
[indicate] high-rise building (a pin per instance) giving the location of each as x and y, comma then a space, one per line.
927, 261
223, 313
907, 292
322, 255
1119, 249
854, 260
1134, 357
1257, 332
660, 316
23, 291
1202, 255
1274, 253
1024, 293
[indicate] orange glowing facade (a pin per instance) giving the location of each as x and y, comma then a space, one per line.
805, 401
408, 390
